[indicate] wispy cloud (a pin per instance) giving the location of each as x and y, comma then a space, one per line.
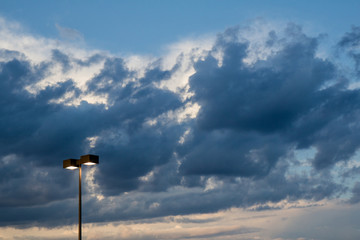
69, 33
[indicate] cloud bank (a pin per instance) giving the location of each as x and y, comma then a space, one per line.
232, 134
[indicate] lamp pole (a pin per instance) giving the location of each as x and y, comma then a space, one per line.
79, 238
76, 164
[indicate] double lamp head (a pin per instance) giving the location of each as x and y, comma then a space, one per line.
76, 163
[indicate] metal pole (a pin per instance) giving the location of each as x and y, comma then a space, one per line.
79, 201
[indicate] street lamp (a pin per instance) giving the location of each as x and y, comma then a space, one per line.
76, 163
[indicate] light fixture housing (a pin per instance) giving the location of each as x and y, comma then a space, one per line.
89, 159
71, 163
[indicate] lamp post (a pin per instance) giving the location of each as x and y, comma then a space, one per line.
76, 164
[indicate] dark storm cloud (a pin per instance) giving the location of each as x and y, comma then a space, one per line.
33, 135
20, 113
9, 55
132, 147
351, 42
355, 198
23, 184
110, 79
251, 115
36, 135
244, 192
66, 62
224, 152
351, 39
238, 151
24, 217
144, 205
61, 58
96, 58
31, 127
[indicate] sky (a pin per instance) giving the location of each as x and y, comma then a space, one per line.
212, 119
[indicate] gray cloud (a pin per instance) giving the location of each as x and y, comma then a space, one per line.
351, 39
350, 42
238, 152
355, 198
257, 112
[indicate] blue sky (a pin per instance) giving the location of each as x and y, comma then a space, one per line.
147, 26
212, 119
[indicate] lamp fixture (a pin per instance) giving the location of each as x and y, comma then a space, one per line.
72, 164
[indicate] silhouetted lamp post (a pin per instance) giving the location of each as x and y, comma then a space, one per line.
76, 163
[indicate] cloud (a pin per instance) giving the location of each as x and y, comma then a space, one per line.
251, 115
159, 155
350, 42
69, 33
355, 198
351, 39
292, 223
